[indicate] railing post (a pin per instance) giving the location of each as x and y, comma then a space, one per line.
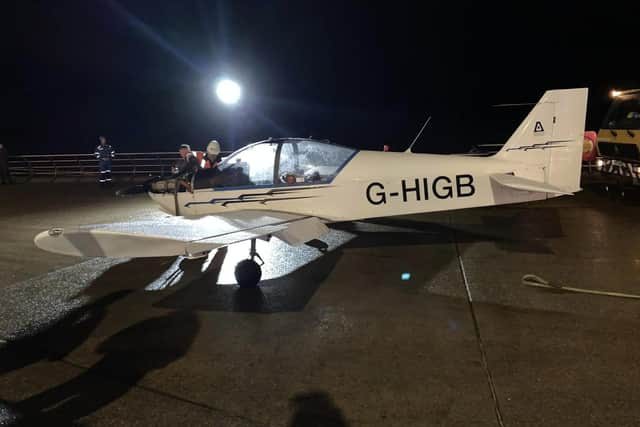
80, 168
175, 197
133, 176
30, 167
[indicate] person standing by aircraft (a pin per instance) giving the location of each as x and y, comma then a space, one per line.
208, 166
186, 166
105, 154
4, 165
212, 156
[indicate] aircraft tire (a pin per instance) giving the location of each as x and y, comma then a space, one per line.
248, 273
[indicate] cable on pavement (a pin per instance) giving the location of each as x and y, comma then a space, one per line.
539, 282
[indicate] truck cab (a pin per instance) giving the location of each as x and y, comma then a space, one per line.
618, 142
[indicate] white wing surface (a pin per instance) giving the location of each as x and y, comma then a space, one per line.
178, 236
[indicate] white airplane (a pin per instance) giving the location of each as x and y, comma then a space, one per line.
291, 188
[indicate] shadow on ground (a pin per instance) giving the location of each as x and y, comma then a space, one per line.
127, 357
524, 231
315, 409
56, 341
132, 275
290, 292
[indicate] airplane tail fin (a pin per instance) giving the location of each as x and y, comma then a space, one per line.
551, 137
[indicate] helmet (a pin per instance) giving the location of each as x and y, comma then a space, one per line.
213, 149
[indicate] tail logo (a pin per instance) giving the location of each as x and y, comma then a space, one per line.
538, 128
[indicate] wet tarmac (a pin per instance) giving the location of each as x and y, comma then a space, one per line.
409, 321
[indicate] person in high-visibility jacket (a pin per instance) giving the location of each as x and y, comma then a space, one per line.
210, 158
105, 154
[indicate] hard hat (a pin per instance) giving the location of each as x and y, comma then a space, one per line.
185, 146
213, 149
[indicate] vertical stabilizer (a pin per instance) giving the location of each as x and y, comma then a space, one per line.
551, 137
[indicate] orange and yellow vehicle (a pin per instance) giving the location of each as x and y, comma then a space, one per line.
618, 143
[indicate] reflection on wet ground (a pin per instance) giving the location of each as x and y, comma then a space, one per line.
290, 292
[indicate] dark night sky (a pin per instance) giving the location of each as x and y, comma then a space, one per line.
141, 72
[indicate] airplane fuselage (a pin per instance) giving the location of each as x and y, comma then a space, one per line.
371, 184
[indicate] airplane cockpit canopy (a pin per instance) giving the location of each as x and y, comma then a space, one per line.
278, 162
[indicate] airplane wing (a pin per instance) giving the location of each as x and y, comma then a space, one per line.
523, 184
173, 236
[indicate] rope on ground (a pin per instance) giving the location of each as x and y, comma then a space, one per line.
539, 282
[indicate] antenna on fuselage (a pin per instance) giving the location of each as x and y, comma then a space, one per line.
408, 150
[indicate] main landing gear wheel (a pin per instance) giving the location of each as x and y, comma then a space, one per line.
248, 271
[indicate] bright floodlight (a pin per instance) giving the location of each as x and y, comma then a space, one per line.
615, 93
228, 91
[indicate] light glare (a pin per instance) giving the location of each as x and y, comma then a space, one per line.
228, 91
615, 93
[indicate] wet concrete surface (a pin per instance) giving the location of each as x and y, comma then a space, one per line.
336, 338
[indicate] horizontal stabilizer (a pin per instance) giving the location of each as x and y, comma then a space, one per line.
523, 184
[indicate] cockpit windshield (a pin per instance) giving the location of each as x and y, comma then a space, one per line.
310, 162
279, 163
251, 166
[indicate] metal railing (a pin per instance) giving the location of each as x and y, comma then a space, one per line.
127, 165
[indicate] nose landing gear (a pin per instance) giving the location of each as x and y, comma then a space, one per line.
248, 271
